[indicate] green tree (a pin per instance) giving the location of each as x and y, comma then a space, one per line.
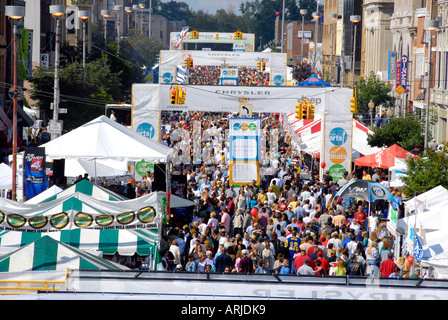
406, 132
425, 173
373, 88
83, 101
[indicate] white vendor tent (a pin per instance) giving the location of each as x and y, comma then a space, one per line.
6, 177
53, 190
103, 138
426, 220
310, 137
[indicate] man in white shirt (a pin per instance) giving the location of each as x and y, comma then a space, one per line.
306, 270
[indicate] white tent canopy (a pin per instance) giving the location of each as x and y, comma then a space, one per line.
44, 195
6, 177
103, 138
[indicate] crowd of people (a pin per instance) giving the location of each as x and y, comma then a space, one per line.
210, 76
289, 224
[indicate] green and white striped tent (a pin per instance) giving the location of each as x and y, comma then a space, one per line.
47, 253
125, 242
144, 242
87, 187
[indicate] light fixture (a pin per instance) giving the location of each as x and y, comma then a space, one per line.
355, 18
57, 11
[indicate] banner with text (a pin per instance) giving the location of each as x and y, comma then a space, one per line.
244, 150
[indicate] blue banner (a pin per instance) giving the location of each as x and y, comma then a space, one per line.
34, 167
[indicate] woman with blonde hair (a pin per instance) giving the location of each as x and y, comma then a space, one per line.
372, 257
340, 269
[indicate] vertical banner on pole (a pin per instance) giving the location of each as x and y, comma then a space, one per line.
244, 150
337, 145
34, 165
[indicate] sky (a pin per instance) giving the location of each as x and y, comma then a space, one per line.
212, 5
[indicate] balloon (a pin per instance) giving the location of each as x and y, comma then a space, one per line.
323, 165
410, 259
254, 213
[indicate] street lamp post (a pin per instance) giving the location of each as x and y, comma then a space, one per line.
316, 17
428, 25
303, 12
332, 17
283, 26
57, 11
15, 15
84, 16
141, 6
355, 19
118, 9
150, 19
135, 9
105, 14
128, 10
371, 106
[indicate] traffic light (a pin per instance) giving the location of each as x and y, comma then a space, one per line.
238, 35
305, 110
194, 34
354, 101
299, 114
310, 110
173, 96
189, 62
259, 65
263, 66
181, 95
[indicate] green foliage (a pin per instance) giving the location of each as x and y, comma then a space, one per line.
406, 132
373, 88
426, 173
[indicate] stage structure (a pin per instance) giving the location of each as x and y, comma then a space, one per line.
246, 41
274, 63
332, 106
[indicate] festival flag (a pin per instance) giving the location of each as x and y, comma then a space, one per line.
182, 36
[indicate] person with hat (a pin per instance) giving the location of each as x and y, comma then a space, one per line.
306, 270
246, 262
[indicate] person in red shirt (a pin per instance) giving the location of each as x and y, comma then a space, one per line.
387, 266
324, 262
360, 216
283, 205
298, 261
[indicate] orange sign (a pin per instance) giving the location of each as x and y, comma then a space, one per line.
338, 154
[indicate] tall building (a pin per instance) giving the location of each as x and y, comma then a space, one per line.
377, 38
343, 38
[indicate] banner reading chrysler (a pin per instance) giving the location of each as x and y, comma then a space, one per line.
244, 150
34, 165
337, 145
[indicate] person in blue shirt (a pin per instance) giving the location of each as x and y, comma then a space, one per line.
284, 269
292, 241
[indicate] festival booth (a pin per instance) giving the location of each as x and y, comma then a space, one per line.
111, 141
310, 133
48, 254
313, 81
384, 158
6, 180
87, 217
50, 192
422, 232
